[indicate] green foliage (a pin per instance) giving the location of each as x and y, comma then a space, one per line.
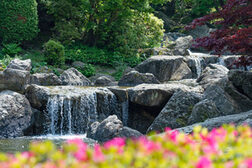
5, 61
18, 20
11, 49
187, 10
119, 25
54, 52
92, 55
87, 70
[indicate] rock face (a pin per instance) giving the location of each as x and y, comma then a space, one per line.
73, 77
45, 79
182, 44
203, 110
103, 81
110, 128
166, 68
24, 65
134, 78
211, 74
15, 114
177, 111
242, 80
227, 98
238, 119
14, 79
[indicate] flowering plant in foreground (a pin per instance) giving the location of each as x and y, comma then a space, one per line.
225, 147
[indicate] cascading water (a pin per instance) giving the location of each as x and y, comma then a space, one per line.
72, 110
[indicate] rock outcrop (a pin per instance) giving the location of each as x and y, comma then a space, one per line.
110, 128
73, 77
134, 78
15, 114
166, 68
24, 65
45, 79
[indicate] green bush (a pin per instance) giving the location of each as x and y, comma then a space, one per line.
11, 49
92, 55
54, 53
88, 70
18, 20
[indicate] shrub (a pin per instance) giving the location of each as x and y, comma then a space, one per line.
223, 147
88, 70
92, 55
19, 20
54, 52
11, 49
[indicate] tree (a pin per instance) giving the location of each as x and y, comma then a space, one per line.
234, 31
104, 23
18, 20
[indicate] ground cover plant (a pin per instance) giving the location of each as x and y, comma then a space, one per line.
224, 147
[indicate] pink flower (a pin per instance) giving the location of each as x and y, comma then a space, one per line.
80, 154
248, 163
204, 162
98, 155
27, 155
118, 143
172, 134
148, 145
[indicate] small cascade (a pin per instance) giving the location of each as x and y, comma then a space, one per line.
125, 112
198, 65
221, 61
73, 111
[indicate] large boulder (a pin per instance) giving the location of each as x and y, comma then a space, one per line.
165, 68
45, 79
211, 74
237, 119
203, 110
37, 96
15, 114
24, 65
73, 77
14, 79
152, 95
104, 81
182, 44
242, 80
227, 98
176, 112
110, 128
134, 78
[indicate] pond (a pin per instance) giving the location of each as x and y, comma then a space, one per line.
21, 144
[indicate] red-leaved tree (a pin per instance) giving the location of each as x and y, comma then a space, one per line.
234, 30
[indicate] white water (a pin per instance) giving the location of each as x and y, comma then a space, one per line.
73, 109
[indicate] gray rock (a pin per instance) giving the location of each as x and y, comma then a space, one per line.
200, 31
165, 68
134, 78
112, 127
78, 64
211, 74
24, 65
15, 114
92, 129
242, 80
152, 95
238, 119
104, 81
176, 112
203, 110
37, 96
14, 79
226, 98
73, 77
45, 79
182, 44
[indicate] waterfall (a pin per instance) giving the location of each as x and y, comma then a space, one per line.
72, 111
221, 61
125, 112
198, 66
